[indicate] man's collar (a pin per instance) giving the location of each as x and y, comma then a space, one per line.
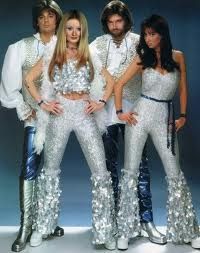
38, 37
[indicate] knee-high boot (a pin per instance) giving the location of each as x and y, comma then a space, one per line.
26, 197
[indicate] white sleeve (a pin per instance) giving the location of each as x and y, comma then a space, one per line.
11, 80
97, 64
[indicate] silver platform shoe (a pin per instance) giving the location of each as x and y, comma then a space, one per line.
153, 234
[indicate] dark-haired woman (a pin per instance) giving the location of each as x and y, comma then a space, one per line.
163, 70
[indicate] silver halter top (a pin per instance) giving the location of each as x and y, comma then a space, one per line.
70, 79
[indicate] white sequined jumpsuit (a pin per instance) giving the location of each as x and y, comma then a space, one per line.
153, 112
74, 118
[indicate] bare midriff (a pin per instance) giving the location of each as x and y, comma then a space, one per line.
75, 95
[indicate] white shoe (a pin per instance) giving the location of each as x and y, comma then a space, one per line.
111, 245
36, 239
195, 243
122, 243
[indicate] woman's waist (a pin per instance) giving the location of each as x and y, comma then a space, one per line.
74, 95
145, 106
157, 98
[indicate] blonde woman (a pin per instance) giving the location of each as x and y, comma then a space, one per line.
70, 74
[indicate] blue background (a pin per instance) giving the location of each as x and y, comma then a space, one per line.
184, 21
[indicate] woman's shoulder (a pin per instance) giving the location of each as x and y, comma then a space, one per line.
177, 55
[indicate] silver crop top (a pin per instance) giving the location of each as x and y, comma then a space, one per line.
69, 79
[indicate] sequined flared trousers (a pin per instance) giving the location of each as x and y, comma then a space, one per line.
75, 119
111, 145
181, 218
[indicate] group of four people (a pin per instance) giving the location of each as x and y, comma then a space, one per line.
67, 85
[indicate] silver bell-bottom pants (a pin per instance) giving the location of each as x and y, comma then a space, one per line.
181, 219
59, 128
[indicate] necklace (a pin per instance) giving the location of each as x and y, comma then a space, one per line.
72, 48
118, 40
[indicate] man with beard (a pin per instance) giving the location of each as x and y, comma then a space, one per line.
20, 57
115, 50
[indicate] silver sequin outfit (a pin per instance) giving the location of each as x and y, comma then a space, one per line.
152, 120
59, 128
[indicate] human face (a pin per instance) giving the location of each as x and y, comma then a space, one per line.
152, 38
116, 25
73, 32
47, 22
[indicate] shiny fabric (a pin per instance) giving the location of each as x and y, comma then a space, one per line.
116, 60
128, 218
111, 145
103, 219
69, 79
26, 207
31, 160
182, 225
32, 57
144, 190
152, 120
74, 119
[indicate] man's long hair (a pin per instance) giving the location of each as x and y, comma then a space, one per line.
119, 8
42, 5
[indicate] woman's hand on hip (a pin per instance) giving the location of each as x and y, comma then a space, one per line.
52, 107
93, 106
179, 123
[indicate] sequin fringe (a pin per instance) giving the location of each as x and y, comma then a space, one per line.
47, 205
128, 219
103, 218
182, 223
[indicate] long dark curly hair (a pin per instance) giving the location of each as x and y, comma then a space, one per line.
148, 55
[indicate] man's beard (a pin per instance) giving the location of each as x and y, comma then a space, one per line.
117, 34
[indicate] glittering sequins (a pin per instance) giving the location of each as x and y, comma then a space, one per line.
70, 79
152, 120
159, 86
182, 223
47, 205
128, 219
103, 220
133, 88
32, 56
58, 130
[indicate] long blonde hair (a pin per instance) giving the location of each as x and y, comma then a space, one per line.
59, 56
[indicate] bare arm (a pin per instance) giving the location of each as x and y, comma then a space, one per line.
109, 84
94, 106
33, 74
132, 70
183, 93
